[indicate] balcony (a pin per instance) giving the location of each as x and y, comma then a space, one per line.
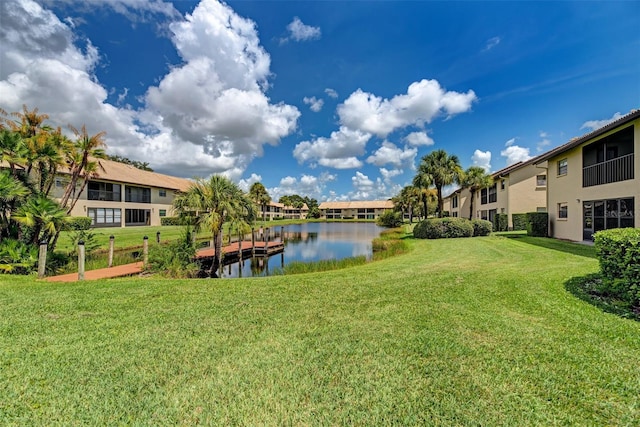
614, 170
108, 196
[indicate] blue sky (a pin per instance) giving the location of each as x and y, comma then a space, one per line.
333, 100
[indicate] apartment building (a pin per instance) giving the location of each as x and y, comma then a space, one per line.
594, 181
124, 196
518, 188
354, 210
275, 210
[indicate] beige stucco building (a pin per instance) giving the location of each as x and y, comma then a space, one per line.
122, 195
275, 210
594, 181
354, 210
519, 188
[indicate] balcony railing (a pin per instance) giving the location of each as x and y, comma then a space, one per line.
108, 196
618, 169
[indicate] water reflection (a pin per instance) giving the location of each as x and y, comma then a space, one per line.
308, 243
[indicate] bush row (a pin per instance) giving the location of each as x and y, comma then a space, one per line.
618, 251
444, 228
77, 223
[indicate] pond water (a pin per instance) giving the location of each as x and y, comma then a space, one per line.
310, 242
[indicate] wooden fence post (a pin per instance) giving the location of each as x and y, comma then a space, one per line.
42, 259
145, 251
81, 255
111, 241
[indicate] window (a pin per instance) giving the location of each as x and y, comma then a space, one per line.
562, 167
541, 180
563, 210
106, 191
454, 202
483, 196
104, 217
162, 193
493, 194
502, 184
137, 194
455, 214
484, 215
606, 214
163, 212
136, 216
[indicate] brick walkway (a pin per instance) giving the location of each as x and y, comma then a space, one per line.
101, 273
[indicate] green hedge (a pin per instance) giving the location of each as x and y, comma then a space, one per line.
618, 251
501, 222
390, 219
481, 227
519, 221
77, 223
537, 224
443, 228
176, 220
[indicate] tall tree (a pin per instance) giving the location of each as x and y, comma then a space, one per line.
260, 197
11, 192
475, 179
213, 202
43, 216
408, 201
81, 161
442, 169
423, 181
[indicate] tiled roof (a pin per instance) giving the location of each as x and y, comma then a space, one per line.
121, 172
574, 142
361, 204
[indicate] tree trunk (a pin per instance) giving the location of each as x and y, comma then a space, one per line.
217, 258
440, 204
473, 196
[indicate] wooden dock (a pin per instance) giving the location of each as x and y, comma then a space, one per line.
233, 251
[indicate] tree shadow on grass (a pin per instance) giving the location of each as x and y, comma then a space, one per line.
588, 289
579, 249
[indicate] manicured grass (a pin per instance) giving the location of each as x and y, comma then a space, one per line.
474, 331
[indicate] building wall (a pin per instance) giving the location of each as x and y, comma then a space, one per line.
524, 193
568, 189
158, 203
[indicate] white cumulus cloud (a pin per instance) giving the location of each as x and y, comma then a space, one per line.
340, 150
314, 104
331, 93
391, 154
515, 154
417, 139
482, 159
299, 31
592, 125
422, 102
221, 125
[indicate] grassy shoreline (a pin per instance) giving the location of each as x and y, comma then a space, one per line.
461, 331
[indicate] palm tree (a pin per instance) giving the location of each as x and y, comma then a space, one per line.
44, 216
423, 181
11, 191
214, 202
81, 165
475, 178
12, 149
408, 201
443, 169
260, 197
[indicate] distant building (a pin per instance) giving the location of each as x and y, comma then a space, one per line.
594, 181
275, 210
354, 210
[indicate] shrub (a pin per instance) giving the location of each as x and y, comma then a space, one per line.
77, 223
501, 222
17, 257
537, 224
171, 220
618, 251
519, 221
176, 258
443, 228
481, 227
390, 219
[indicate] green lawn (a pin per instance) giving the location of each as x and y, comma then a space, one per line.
456, 332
